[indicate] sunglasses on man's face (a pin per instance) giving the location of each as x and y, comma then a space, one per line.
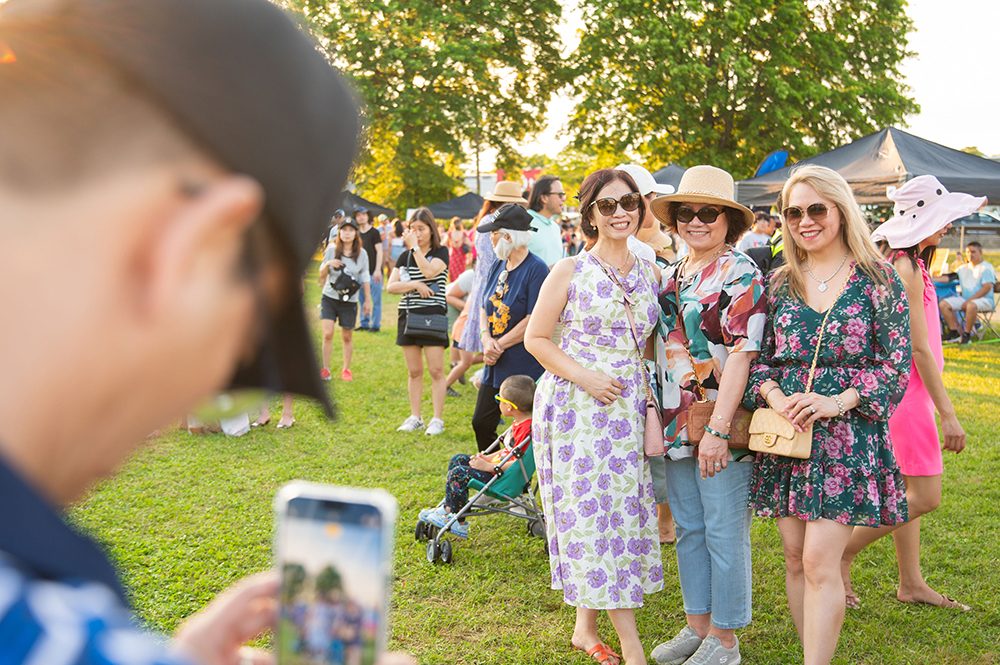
708, 215
794, 214
607, 206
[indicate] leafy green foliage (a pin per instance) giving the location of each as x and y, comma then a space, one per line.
293, 579
437, 77
329, 579
725, 82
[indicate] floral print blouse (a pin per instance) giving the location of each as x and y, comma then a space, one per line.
722, 311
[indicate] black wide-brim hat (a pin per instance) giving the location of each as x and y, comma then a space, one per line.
250, 87
511, 217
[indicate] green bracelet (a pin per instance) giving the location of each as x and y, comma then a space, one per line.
724, 437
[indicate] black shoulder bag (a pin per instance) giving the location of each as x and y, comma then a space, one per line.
433, 327
345, 286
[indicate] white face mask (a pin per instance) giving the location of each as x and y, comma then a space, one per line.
503, 248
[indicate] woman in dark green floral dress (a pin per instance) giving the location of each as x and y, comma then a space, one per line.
851, 477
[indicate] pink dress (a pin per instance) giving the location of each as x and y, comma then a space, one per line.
912, 428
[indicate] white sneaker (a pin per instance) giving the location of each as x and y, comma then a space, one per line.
436, 426
411, 424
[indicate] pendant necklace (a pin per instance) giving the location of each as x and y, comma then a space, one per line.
823, 286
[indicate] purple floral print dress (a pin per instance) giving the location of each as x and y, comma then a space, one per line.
595, 484
852, 476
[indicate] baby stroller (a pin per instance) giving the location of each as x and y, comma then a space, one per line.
509, 492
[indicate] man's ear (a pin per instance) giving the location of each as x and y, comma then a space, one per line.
209, 223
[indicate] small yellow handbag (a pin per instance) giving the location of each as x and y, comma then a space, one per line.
772, 433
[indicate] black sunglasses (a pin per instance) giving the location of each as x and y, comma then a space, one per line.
794, 214
608, 205
686, 215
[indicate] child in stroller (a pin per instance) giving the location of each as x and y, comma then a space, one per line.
516, 395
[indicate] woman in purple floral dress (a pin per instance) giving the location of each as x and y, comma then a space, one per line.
833, 270
589, 411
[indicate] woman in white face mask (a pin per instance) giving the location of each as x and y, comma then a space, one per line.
509, 295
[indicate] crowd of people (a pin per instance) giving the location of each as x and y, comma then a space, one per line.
839, 334
196, 238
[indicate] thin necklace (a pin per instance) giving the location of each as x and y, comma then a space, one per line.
823, 286
688, 273
621, 270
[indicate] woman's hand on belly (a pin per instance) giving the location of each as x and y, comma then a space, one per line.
600, 386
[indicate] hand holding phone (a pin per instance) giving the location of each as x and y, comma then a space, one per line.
334, 554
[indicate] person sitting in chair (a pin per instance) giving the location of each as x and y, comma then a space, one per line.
516, 396
976, 279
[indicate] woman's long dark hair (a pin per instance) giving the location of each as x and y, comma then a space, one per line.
426, 217
913, 253
355, 245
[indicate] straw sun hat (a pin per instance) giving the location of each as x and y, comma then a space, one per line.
922, 208
703, 184
506, 191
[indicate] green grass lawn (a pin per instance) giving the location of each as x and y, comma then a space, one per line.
188, 515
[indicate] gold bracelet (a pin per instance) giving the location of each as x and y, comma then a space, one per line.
768, 392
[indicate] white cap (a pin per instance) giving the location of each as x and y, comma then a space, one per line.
644, 180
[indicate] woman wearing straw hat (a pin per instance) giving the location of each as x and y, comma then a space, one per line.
923, 213
470, 345
836, 358
712, 320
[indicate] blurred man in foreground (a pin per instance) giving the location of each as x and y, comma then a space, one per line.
165, 172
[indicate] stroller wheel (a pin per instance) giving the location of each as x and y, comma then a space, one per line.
537, 528
433, 551
446, 551
420, 532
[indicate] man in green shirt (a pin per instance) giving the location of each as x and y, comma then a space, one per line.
545, 205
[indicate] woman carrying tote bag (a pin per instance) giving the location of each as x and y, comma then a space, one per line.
834, 279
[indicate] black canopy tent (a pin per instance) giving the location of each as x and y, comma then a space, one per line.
888, 157
466, 206
351, 202
670, 175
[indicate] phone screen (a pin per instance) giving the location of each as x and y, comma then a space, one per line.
333, 593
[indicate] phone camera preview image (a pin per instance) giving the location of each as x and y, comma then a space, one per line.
333, 583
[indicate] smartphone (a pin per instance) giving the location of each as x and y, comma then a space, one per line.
333, 549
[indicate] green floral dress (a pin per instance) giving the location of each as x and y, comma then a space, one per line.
852, 476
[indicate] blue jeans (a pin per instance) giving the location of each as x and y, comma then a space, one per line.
713, 540
375, 320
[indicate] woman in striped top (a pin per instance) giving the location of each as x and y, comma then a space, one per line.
420, 276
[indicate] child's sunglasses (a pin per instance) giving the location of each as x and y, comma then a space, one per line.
504, 400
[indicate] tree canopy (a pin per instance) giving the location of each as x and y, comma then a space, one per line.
727, 81
687, 81
437, 78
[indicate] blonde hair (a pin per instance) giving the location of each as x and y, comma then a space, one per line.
853, 230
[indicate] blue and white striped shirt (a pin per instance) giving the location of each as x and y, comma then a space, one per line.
60, 600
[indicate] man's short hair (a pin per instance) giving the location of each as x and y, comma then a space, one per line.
519, 389
976, 244
68, 116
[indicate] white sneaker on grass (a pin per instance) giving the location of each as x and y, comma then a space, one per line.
711, 652
436, 426
677, 650
411, 424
